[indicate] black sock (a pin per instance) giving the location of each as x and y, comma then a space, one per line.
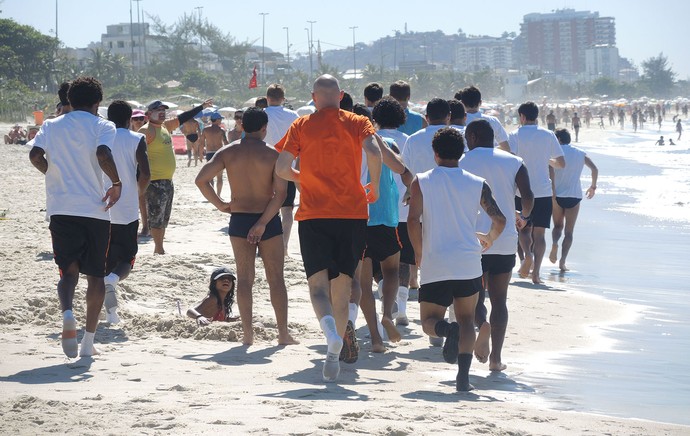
462, 381
442, 328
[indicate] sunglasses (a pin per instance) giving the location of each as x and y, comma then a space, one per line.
138, 118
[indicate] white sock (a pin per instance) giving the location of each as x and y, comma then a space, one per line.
87, 340
451, 314
379, 327
380, 289
111, 279
353, 311
403, 294
67, 314
334, 341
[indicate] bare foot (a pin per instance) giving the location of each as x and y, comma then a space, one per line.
481, 345
553, 256
497, 366
536, 279
378, 348
393, 333
248, 338
523, 272
562, 267
286, 339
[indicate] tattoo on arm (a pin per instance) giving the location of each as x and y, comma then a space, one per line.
488, 202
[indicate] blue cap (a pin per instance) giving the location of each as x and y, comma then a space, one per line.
156, 104
216, 116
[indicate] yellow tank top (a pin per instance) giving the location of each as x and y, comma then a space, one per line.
161, 154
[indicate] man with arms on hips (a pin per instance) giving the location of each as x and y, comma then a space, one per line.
257, 193
213, 138
471, 97
444, 209
160, 192
280, 119
73, 151
505, 173
539, 150
129, 153
333, 204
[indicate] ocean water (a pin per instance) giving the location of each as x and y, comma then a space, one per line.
631, 244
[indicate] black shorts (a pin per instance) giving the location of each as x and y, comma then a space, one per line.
406, 252
381, 242
209, 155
192, 137
123, 244
568, 202
159, 200
541, 212
498, 263
443, 292
241, 223
80, 239
551, 126
332, 244
290, 198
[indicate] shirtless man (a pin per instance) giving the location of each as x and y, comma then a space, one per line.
212, 139
257, 194
192, 131
237, 131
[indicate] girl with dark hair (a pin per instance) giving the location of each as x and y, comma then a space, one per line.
217, 305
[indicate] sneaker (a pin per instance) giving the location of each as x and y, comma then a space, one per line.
450, 347
435, 342
350, 351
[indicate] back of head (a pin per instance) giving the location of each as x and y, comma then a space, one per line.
373, 92
62, 93
326, 92
254, 119
437, 110
261, 102
400, 90
346, 102
84, 92
530, 110
362, 110
481, 133
275, 93
469, 96
563, 135
457, 110
120, 112
388, 113
448, 143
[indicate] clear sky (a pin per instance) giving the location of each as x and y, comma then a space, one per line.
641, 31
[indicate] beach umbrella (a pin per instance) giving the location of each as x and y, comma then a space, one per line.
250, 102
206, 112
227, 110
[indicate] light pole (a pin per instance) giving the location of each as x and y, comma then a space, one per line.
131, 31
201, 41
287, 35
263, 46
311, 44
354, 52
139, 32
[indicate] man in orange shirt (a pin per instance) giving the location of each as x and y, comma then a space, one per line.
333, 212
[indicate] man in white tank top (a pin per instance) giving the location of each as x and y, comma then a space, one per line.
504, 172
448, 248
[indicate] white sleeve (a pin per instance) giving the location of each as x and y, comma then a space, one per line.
500, 134
556, 149
106, 134
40, 139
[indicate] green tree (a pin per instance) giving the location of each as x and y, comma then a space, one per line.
200, 80
26, 55
658, 76
605, 86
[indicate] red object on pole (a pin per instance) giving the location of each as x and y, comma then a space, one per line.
252, 81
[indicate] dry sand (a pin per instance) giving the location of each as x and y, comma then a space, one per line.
161, 374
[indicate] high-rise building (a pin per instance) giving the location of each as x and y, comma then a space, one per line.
479, 53
130, 41
557, 42
601, 61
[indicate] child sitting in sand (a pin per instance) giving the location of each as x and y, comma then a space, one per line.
217, 306
660, 141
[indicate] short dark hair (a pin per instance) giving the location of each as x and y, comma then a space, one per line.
362, 110
254, 119
120, 112
85, 92
275, 91
373, 92
563, 136
346, 102
400, 90
457, 109
482, 129
448, 143
470, 96
62, 93
261, 102
530, 110
388, 113
437, 109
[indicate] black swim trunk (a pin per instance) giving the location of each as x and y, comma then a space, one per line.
241, 223
192, 137
443, 292
332, 244
551, 126
159, 200
123, 244
381, 242
290, 198
209, 155
568, 202
80, 239
541, 212
498, 263
406, 252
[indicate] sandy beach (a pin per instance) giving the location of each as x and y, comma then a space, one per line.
161, 374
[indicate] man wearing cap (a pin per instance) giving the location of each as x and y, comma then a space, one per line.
159, 194
213, 138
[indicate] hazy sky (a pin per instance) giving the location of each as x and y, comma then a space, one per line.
641, 31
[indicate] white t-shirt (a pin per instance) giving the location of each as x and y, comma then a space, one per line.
499, 169
500, 134
400, 138
74, 180
124, 150
536, 145
451, 204
417, 153
279, 120
567, 180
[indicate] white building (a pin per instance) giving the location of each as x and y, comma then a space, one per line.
130, 41
601, 61
480, 53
